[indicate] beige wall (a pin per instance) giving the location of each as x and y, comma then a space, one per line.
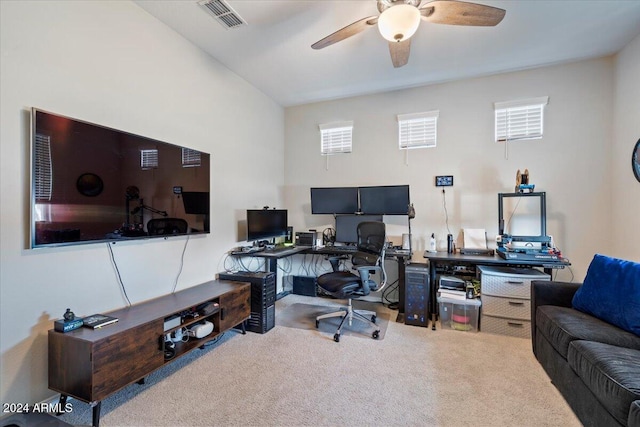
572, 163
625, 190
111, 63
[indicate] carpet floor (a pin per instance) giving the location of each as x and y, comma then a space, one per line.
291, 376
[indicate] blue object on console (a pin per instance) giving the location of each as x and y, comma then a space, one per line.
611, 292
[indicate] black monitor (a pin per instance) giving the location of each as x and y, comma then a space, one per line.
384, 200
266, 223
336, 200
197, 203
347, 226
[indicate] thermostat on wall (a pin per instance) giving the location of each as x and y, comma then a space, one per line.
444, 180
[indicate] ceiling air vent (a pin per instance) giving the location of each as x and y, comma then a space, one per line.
223, 13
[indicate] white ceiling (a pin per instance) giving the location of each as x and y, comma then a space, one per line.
273, 51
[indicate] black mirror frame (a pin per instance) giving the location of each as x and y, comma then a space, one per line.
635, 160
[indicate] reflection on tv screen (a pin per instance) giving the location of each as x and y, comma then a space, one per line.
91, 183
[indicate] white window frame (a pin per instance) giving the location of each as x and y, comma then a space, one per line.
191, 158
418, 130
520, 120
336, 138
42, 168
149, 158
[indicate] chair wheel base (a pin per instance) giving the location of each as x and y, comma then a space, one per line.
375, 335
336, 337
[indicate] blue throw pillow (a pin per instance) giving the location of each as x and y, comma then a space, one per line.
611, 292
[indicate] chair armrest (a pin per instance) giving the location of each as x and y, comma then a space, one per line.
335, 262
365, 272
549, 293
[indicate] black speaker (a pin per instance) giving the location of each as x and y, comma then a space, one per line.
263, 298
304, 285
416, 303
289, 237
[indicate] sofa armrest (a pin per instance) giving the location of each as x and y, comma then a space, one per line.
549, 293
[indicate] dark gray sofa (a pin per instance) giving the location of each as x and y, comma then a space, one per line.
595, 365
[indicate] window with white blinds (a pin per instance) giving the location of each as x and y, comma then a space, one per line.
42, 168
336, 138
190, 158
149, 159
417, 130
522, 119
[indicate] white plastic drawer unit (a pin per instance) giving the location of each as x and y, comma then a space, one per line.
509, 281
506, 299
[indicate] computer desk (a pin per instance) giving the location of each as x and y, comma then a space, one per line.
446, 261
402, 257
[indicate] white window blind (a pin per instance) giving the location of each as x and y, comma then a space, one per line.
417, 130
42, 168
149, 159
190, 158
336, 138
520, 119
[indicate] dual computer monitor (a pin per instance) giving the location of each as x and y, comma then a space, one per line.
353, 205
378, 200
369, 202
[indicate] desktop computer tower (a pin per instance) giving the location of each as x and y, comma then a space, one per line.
263, 298
416, 304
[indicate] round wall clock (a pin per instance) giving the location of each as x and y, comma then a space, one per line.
635, 160
89, 184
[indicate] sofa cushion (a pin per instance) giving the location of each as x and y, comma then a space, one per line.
634, 415
561, 325
611, 373
611, 292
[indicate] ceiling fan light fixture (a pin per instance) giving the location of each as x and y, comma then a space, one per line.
398, 23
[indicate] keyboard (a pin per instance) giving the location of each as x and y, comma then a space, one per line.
246, 250
337, 250
280, 249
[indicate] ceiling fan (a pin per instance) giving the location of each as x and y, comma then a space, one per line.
399, 20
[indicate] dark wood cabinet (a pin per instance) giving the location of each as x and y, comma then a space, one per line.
92, 364
234, 307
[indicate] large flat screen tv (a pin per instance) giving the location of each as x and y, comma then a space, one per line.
92, 183
384, 200
334, 200
266, 223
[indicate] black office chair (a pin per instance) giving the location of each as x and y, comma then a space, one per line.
167, 226
368, 259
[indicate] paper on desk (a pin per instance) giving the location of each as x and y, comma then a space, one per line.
475, 238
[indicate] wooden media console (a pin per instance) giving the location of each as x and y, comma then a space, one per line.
92, 364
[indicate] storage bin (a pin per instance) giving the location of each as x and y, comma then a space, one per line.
461, 315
